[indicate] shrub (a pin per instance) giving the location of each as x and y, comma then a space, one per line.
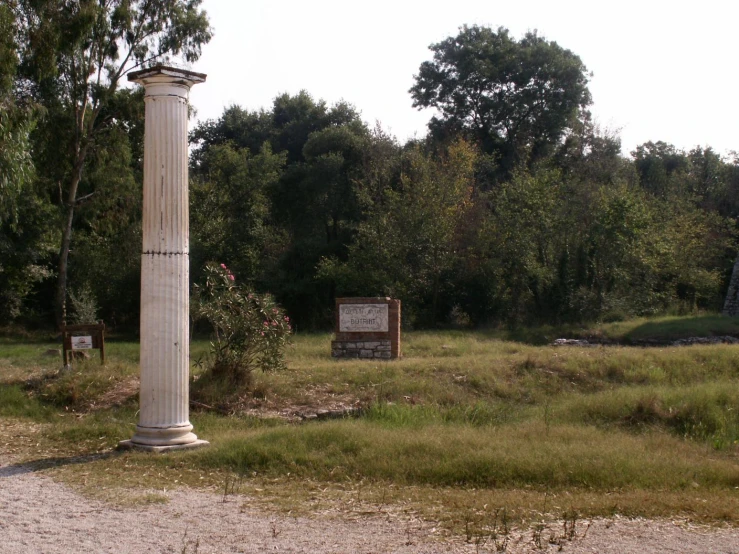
249, 330
84, 306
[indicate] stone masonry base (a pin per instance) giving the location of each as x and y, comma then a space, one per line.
375, 349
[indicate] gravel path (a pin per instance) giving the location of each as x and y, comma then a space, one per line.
39, 515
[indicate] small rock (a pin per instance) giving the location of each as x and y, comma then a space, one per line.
571, 342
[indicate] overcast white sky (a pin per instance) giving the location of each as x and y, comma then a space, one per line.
662, 70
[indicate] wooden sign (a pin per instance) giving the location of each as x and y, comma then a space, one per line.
82, 343
83, 337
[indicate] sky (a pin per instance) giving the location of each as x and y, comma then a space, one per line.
662, 70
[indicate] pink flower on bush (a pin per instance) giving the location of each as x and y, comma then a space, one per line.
231, 277
274, 324
287, 318
224, 266
266, 324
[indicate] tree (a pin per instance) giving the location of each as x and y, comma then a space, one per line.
230, 211
105, 259
24, 215
523, 237
660, 167
16, 122
515, 98
73, 56
408, 241
312, 204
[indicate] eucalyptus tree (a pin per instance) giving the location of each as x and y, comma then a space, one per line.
74, 55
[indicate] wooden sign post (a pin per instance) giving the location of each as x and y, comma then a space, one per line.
83, 337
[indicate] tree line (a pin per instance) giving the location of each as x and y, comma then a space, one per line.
515, 208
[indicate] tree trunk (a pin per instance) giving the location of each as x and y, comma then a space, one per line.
435, 299
60, 302
731, 304
61, 284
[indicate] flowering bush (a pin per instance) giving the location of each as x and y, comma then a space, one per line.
250, 330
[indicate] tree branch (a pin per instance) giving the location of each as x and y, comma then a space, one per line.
84, 198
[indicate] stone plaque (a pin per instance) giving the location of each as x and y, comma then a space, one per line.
362, 318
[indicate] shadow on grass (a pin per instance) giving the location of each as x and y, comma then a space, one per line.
668, 329
48, 463
664, 329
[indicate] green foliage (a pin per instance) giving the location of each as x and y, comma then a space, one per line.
84, 306
516, 209
72, 57
413, 229
521, 240
517, 98
294, 215
106, 258
16, 165
250, 330
26, 249
18, 117
230, 211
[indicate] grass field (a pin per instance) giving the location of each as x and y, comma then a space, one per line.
465, 425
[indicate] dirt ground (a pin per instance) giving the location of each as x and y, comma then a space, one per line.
40, 515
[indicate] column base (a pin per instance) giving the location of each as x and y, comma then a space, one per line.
130, 445
173, 435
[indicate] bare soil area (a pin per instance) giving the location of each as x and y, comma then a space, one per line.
38, 514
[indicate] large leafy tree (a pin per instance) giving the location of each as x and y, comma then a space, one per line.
73, 57
515, 98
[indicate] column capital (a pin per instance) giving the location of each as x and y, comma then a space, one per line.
162, 80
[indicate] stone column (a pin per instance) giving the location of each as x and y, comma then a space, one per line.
165, 342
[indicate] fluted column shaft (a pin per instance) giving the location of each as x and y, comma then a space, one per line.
165, 343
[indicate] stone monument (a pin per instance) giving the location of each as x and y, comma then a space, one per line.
367, 328
165, 342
